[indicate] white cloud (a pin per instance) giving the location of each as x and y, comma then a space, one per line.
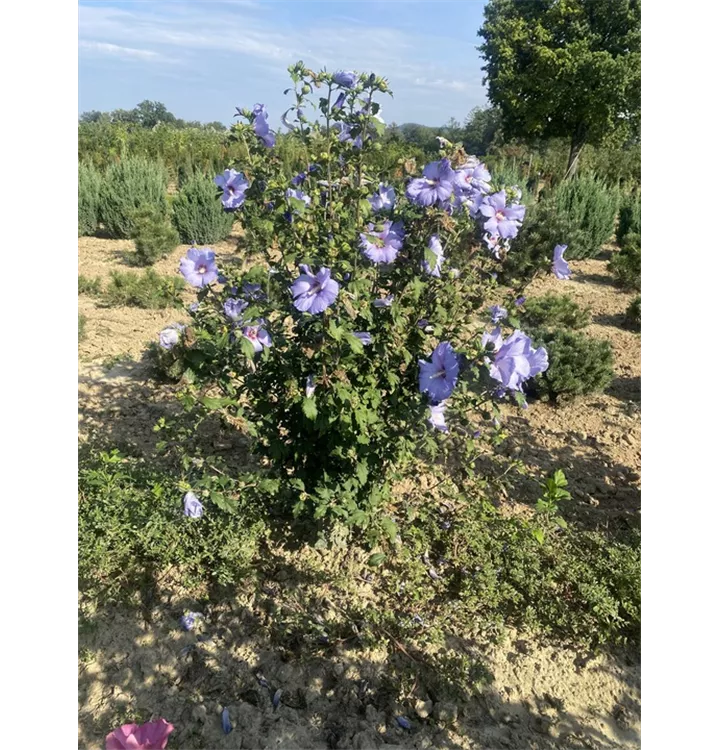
115, 50
387, 51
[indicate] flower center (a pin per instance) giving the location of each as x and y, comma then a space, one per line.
500, 216
202, 269
252, 333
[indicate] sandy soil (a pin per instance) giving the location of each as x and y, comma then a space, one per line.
542, 697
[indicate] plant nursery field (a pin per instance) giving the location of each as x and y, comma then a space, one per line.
336, 646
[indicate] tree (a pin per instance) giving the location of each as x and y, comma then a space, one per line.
150, 114
480, 129
94, 116
566, 68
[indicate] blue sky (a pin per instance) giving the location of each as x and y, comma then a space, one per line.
203, 58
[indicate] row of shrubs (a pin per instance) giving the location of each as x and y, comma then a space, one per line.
130, 201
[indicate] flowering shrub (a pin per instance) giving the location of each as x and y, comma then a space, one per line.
345, 351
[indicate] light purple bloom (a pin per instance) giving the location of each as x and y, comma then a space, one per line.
384, 301
199, 267
493, 242
310, 387
520, 301
383, 199
170, 336
346, 78
261, 125
192, 506
436, 416
560, 267
500, 218
189, 619
194, 306
344, 131
384, 246
258, 336
339, 103
433, 257
226, 723
233, 308
422, 323
497, 313
436, 184
234, 185
515, 360
298, 195
438, 377
314, 293
299, 179
473, 176
253, 291
363, 336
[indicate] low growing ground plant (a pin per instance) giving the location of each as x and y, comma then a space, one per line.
197, 214
578, 364
154, 235
633, 313
471, 565
148, 289
553, 311
81, 326
90, 286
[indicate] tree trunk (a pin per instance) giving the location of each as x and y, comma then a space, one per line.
577, 144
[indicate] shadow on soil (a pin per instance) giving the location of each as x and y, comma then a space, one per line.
303, 689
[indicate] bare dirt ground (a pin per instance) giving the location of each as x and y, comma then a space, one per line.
542, 697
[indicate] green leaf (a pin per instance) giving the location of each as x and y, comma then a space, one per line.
354, 343
215, 402
376, 559
222, 502
247, 347
389, 527
362, 472
431, 258
539, 535
335, 331
309, 407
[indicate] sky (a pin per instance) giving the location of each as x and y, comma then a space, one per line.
203, 58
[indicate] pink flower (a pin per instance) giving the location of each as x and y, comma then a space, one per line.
150, 736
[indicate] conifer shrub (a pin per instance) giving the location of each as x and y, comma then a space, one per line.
197, 213
626, 263
629, 217
552, 311
88, 199
154, 235
148, 290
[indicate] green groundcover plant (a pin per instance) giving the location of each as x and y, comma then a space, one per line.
344, 345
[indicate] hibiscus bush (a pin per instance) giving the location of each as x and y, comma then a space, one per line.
344, 343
